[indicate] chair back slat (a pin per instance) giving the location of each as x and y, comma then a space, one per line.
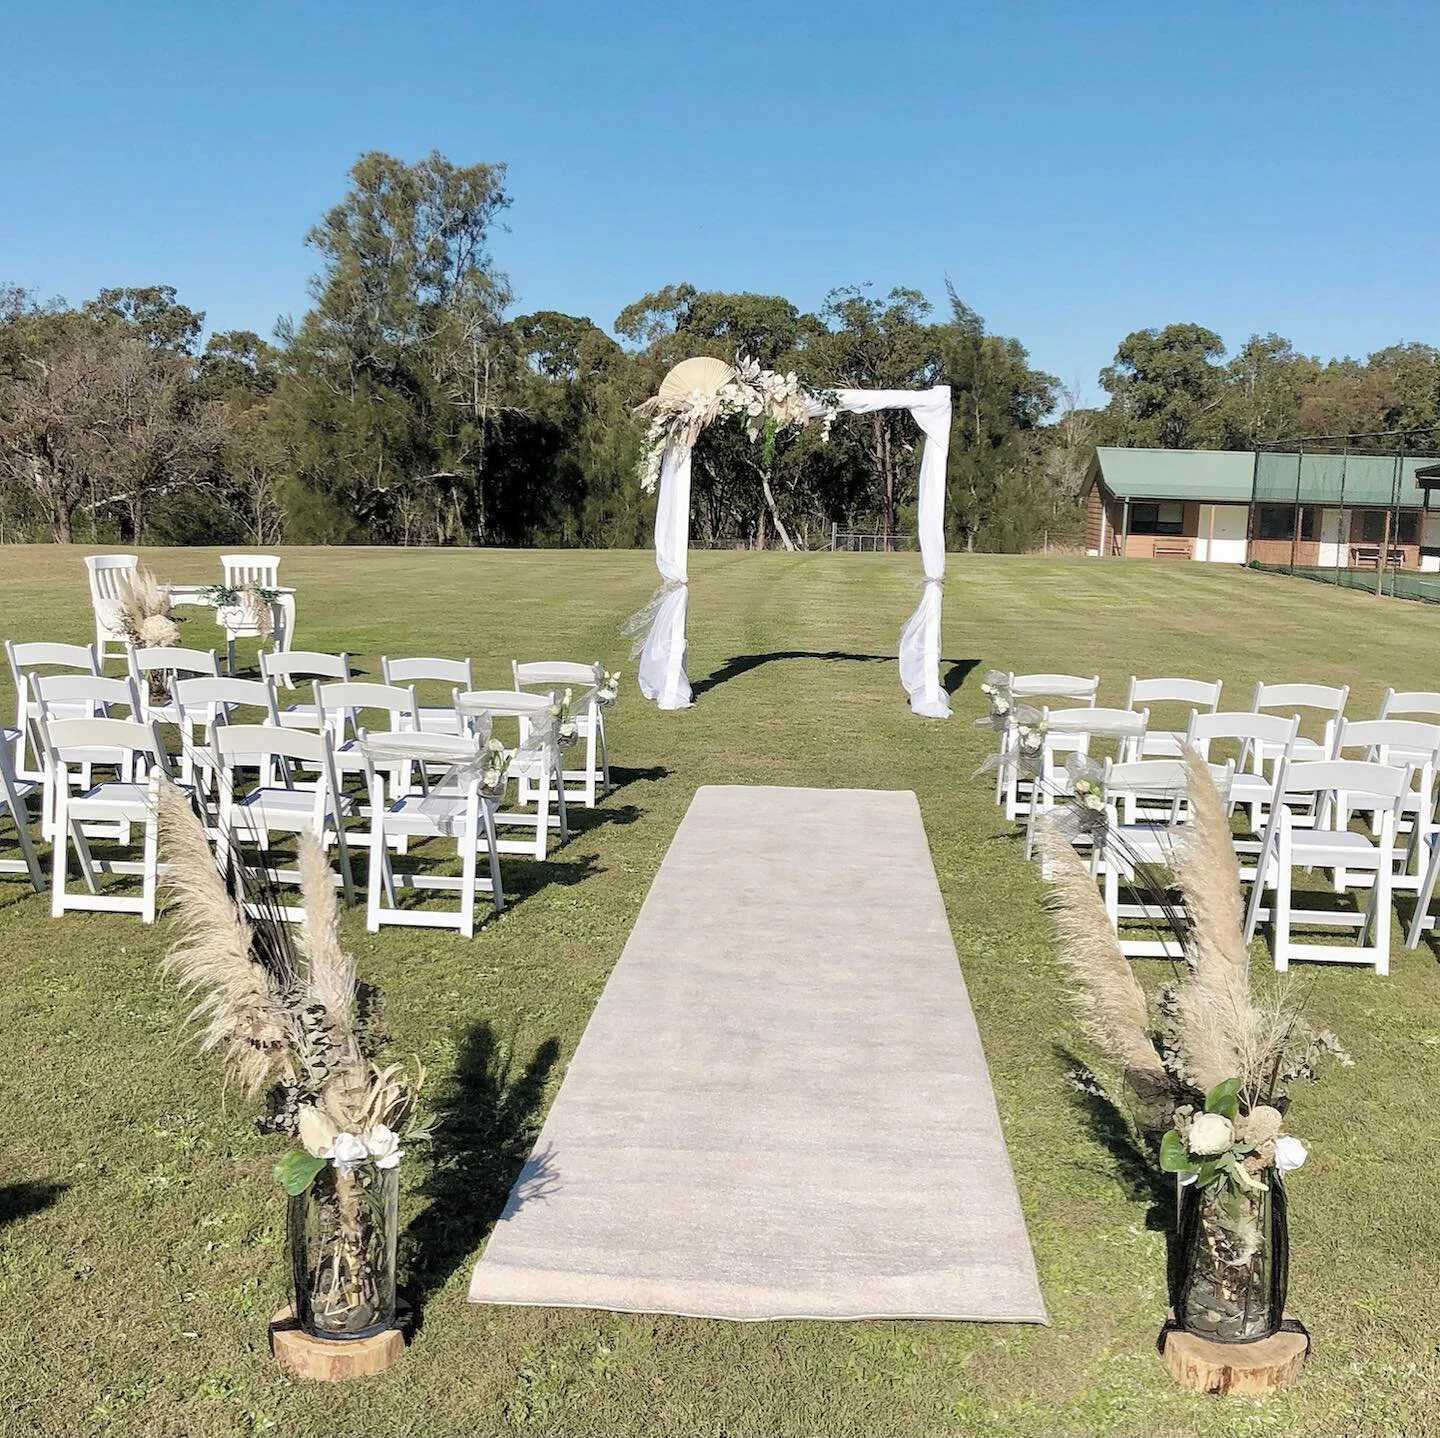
261, 570
454, 672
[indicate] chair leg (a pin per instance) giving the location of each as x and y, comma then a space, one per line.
150, 870
497, 889
1380, 918
604, 754
1423, 896
374, 872
1280, 923
347, 878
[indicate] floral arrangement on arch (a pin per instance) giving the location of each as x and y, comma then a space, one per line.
700, 391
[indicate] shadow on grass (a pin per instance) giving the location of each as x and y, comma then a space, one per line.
1137, 1169
487, 1118
739, 664
20, 1200
957, 673
585, 821
620, 777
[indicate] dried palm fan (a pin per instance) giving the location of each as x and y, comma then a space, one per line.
702, 375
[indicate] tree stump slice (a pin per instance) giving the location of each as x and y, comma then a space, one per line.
1244, 1369
332, 1360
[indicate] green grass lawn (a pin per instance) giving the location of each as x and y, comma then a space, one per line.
140, 1232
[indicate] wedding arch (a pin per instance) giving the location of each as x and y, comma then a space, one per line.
699, 391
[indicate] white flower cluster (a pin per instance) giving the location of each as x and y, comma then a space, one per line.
607, 686
757, 396
495, 768
348, 1151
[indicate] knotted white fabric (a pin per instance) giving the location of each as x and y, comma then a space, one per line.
662, 658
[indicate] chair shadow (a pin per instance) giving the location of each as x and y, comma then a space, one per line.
20, 1200
1138, 1171
621, 777
487, 1118
586, 821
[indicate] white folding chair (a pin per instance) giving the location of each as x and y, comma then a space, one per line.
207, 700
87, 696
452, 673
1071, 731
282, 807
283, 668
27, 661
585, 710
1201, 696
123, 802
108, 575
170, 663
1405, 744
1258, 743
1158, 788
1422, 704
535, 770
1012, 789
1337, 788
263, 571
344, 704
1326, 700
456, 810
14, 796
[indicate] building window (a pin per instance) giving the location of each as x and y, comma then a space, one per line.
1367, 526
1277, 521
1165, 516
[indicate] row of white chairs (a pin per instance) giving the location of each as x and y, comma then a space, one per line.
419, 766
1301, 794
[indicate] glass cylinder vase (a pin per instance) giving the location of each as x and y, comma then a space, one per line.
1233, 1261
342, 1237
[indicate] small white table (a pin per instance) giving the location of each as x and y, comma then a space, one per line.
282, 610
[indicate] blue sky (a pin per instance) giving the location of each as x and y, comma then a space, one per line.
1077, 170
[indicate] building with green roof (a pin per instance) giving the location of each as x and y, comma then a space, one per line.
1344, 511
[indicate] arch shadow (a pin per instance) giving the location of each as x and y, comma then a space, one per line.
739, 664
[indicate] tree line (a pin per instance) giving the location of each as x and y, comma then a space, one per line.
411, 405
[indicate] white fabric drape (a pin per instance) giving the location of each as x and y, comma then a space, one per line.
661, 675
662, 660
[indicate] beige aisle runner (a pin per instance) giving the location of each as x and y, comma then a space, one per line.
780, 1107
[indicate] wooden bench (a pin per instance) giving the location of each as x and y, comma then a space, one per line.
1367, 556
1173, 549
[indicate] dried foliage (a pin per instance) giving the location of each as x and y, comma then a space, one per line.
241, 1009
1103, 988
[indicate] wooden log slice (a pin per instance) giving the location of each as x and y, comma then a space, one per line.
330, 1360
1245, 1369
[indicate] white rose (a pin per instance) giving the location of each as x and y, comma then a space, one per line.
1290, 1153
383, 1146
347, 1152
1210, 1133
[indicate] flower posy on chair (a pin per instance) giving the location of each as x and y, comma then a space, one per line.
288, 1012
1206, 1079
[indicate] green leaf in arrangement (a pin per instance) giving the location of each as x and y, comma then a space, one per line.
296, 1171
1224, 1099
1174, 1158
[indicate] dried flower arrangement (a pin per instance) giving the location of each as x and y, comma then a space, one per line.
287, 1011
765, 401
145, 613
1207, 1075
